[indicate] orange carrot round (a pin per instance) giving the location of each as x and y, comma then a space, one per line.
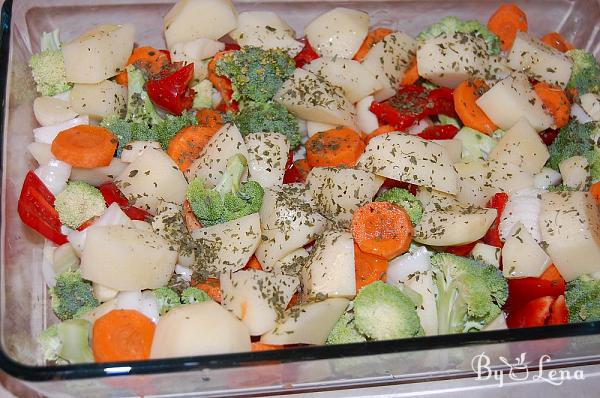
187, 144
147, 58
383, 229
212, 287
258, 346
505, 22
335, 147
122, 335
209, 118
555, 101
467, 109
191, 221
368, 268
595, 191
221, 83
385, 129
85, 146
411, 75
373, 37
555, 40
253, 263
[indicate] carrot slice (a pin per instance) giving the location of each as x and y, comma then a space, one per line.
595, 191
505, 22
294, 300
411, 75
555, 101
555, 40
191, 221
220, 83
258, 346
209, 118
382, 228
187, 144
552, 274
373, 37
253, 263
122, 335
385, 129
335, 147
467, 109
147, 58
368, 267
85, 146
212, 287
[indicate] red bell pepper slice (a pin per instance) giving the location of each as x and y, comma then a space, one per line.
548, 136
559, 313
390, 183
167, 53
172, 93
498, 202
112, 194
523, 290
541, 311
387, 114
36, 209
135, 213
461, 250
440, 132
442, 102
307, 54
232, 47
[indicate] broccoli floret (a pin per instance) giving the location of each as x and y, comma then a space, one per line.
267, 117
583, 299
139, 106
165, 130
404, 199
193, 295
78, 203
167, 299
344, 331
67, 342
255, 74
470, 294
204, 94
383, 312
585, 76
577, 139
452, 25
48, 66
72, 295
230, 199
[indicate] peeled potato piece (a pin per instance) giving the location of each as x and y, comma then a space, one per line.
49, 111
308, 323
98, 54
292, 263
338, 32
151, 179
267, 157
124, 258
338, 192
212, 162
99, 175
199, 329
310, 97
266, 30
257, 297
99, 100
354, 79
193, 19
575, 172
410, 159
227, 247
570, 228
522, 256
541, 62
512, 99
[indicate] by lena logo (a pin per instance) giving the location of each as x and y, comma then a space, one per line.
518, 370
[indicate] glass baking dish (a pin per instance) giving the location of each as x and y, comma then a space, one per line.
24, 312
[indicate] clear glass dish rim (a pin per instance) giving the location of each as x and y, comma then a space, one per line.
249, 359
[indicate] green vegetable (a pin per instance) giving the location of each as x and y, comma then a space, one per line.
72, 296
230, 199
67, 342
140, 108
344, 331
204, 93
452, 25
193, 295
585, 76
167, 299
404, 199
577, 139
475, 145
470, 294
383, 312
48, 66
78, 203
267, 117
255, 74
449, 120
583, 299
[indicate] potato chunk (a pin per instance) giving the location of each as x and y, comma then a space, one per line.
338, 32
522, 256
193, 19
99, 100
98, 54
266, 30
267, 157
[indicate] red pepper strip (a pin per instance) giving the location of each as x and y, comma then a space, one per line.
167, 53
440, 132
36, 209
293, 173
523, 290
462, 250
559, 313
135, 213
307, 54
390, 183
222, 84
548, 136
498, 202
231, 47
442, 100
387, 114
541, 311
171, 93
87, 224
112, 194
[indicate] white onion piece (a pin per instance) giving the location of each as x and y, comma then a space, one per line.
546, 177
524, 207
419, 260
144, 302
40, 152
150, 306
184, 273
579, 114
365, 119
47, 134
66, 96
420, 126
134, 149
54, 175
48, 272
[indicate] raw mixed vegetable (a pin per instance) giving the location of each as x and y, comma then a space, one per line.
347, 186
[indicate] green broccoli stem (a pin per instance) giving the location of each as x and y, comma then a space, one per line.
231, 181
451, 313
139, 106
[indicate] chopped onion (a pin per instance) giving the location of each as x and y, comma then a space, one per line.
366, 120
184, 272
65, 258
54, 175
48, 272
420, 126
47, 134
401, 267
40, 152
104, 293
547, 177
143, 302
99, 175
578, 113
